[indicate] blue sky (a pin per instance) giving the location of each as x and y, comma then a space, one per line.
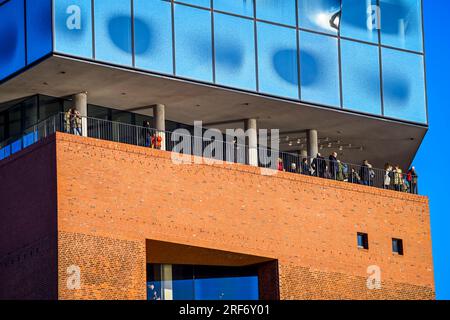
431, 160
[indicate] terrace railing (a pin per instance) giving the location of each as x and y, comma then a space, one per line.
229, 151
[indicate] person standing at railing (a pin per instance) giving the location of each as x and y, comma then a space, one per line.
280, 164
157, 141
67, 121
387, 176
364, 173
305, 167
340, 176
398, 178
334, 167
412, 179
77, 121
320, 166
146, 133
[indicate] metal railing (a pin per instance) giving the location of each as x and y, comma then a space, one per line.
228, 150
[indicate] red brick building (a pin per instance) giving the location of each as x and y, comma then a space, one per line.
312, 104
111, 208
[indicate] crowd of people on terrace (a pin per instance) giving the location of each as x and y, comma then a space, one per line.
391, 178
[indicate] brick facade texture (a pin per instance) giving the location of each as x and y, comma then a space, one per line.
112, 198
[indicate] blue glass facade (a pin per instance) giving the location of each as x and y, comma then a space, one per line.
359, 55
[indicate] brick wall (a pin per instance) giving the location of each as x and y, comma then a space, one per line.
112, 195
28, 232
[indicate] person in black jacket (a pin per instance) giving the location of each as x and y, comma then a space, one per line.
364, 173
334, 167
319, 165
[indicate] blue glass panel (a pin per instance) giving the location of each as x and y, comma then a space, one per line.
5, 152
113, 31
29, 139
277, 56
12, 38
16, 146
201, 3
319, 15
233, 288
153, 35
359, 20
281, 11
361, 77
401, 24
235, 51
404, 86
73, 27
319, 65
39, 29
241, 7
193, 44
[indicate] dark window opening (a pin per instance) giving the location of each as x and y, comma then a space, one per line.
363, 241
397, 246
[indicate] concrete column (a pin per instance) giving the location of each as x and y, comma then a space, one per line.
159, 122
303, 154
80, 104
251, 130
312, 141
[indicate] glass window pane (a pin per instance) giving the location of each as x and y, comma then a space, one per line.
401, 24
193, 44
404, 85
12, 38
319, 65
73, 27
281, 11
200, 3
39, 29
30, 112
359, 20
113, 31
277, 60
153, 35
49, 106
361, 77
15, 122
235, 51
241, 7
319, 15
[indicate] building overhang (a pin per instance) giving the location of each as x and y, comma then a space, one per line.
378, 139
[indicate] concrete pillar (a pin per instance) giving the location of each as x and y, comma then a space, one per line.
251, 130
80, 104
303, 154
312, 141
159, 122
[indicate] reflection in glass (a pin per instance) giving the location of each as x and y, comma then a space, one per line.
320, 15
319, 65
277, 60
153, 35
12, 38
235, 52
361, 77
280, 11
188, 282
39, 33
360, 20
193, 45
404, 86
241, 7
113, 31
201, 3
401, 24
73, 27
